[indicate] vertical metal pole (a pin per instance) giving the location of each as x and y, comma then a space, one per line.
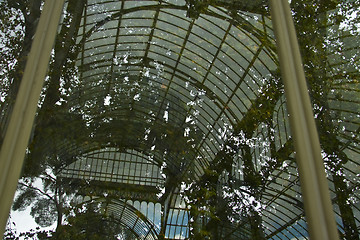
18, 132
315, 190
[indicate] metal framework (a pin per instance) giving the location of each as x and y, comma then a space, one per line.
164, 92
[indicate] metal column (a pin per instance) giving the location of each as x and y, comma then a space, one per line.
315, 190
18, 132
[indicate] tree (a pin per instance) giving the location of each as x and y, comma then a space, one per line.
88, 223
328, 76
47, 201
18, 21
222, 204
317, 23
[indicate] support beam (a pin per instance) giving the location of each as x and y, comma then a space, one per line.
318, 208
21, 121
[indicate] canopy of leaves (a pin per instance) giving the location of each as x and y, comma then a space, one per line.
183, 100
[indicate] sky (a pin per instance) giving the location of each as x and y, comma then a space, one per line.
24, 221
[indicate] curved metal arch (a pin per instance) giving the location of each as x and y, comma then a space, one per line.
128, 216
157, 7
223, 104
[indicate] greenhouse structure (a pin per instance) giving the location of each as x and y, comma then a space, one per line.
182, 119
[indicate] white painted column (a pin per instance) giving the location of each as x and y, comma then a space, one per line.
21, 121
314, 185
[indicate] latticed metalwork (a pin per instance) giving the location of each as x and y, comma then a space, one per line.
174, 113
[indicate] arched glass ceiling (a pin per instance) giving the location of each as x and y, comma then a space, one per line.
139, 223
150, 63
184, 102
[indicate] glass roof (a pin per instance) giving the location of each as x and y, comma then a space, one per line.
170, 102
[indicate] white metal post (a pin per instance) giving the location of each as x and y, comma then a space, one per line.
314, 186
21, 121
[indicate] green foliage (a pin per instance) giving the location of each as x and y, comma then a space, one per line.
35, 234
91, 224
24, 199
10, 232
44, 212
83, 123
11, 42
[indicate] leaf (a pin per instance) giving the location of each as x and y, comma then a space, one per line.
24, 199
44, 212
